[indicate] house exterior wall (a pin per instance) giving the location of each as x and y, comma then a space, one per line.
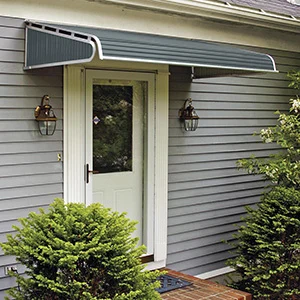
207, 193
31, 175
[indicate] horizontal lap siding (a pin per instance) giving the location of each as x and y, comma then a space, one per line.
30, 175
207, 193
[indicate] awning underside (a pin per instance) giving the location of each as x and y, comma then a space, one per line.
50, 45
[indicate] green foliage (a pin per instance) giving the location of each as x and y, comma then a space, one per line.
294, 77
76, 252
268, 245
284, 167
268, 248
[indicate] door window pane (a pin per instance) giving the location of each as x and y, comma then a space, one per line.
112, 128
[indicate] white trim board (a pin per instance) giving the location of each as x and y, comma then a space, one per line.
215, 273
217, 10
74, 134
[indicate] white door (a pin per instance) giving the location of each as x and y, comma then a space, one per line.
115, 117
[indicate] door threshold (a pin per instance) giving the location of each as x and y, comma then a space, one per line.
147, 258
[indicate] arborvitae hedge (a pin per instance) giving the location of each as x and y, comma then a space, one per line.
75, 252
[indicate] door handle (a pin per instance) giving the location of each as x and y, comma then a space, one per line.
88, 172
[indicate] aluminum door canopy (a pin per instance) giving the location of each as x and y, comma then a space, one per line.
50, 45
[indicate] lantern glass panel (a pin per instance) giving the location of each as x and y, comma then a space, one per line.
190, 124
47, 127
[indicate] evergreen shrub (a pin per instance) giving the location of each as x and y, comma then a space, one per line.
268, 249
268, 245
73, 252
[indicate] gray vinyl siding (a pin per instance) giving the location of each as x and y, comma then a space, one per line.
207, 193
30, 175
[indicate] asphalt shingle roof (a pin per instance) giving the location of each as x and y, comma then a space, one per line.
282, 7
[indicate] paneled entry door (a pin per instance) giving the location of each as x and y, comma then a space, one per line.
116, 105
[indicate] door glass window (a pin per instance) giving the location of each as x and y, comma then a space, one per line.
112, 128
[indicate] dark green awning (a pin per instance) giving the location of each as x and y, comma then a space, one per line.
51, 45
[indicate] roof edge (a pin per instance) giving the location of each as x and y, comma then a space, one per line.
217, 10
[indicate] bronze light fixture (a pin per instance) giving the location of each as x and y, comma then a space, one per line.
189, 116
45, 116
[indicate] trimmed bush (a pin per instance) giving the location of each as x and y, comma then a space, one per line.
76, 252
268, 248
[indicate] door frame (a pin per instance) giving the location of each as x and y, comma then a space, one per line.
74, 142
148, 156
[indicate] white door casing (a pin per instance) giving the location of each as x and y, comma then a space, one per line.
156, 133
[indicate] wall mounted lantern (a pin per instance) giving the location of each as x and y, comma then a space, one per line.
189, 116
45, 116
